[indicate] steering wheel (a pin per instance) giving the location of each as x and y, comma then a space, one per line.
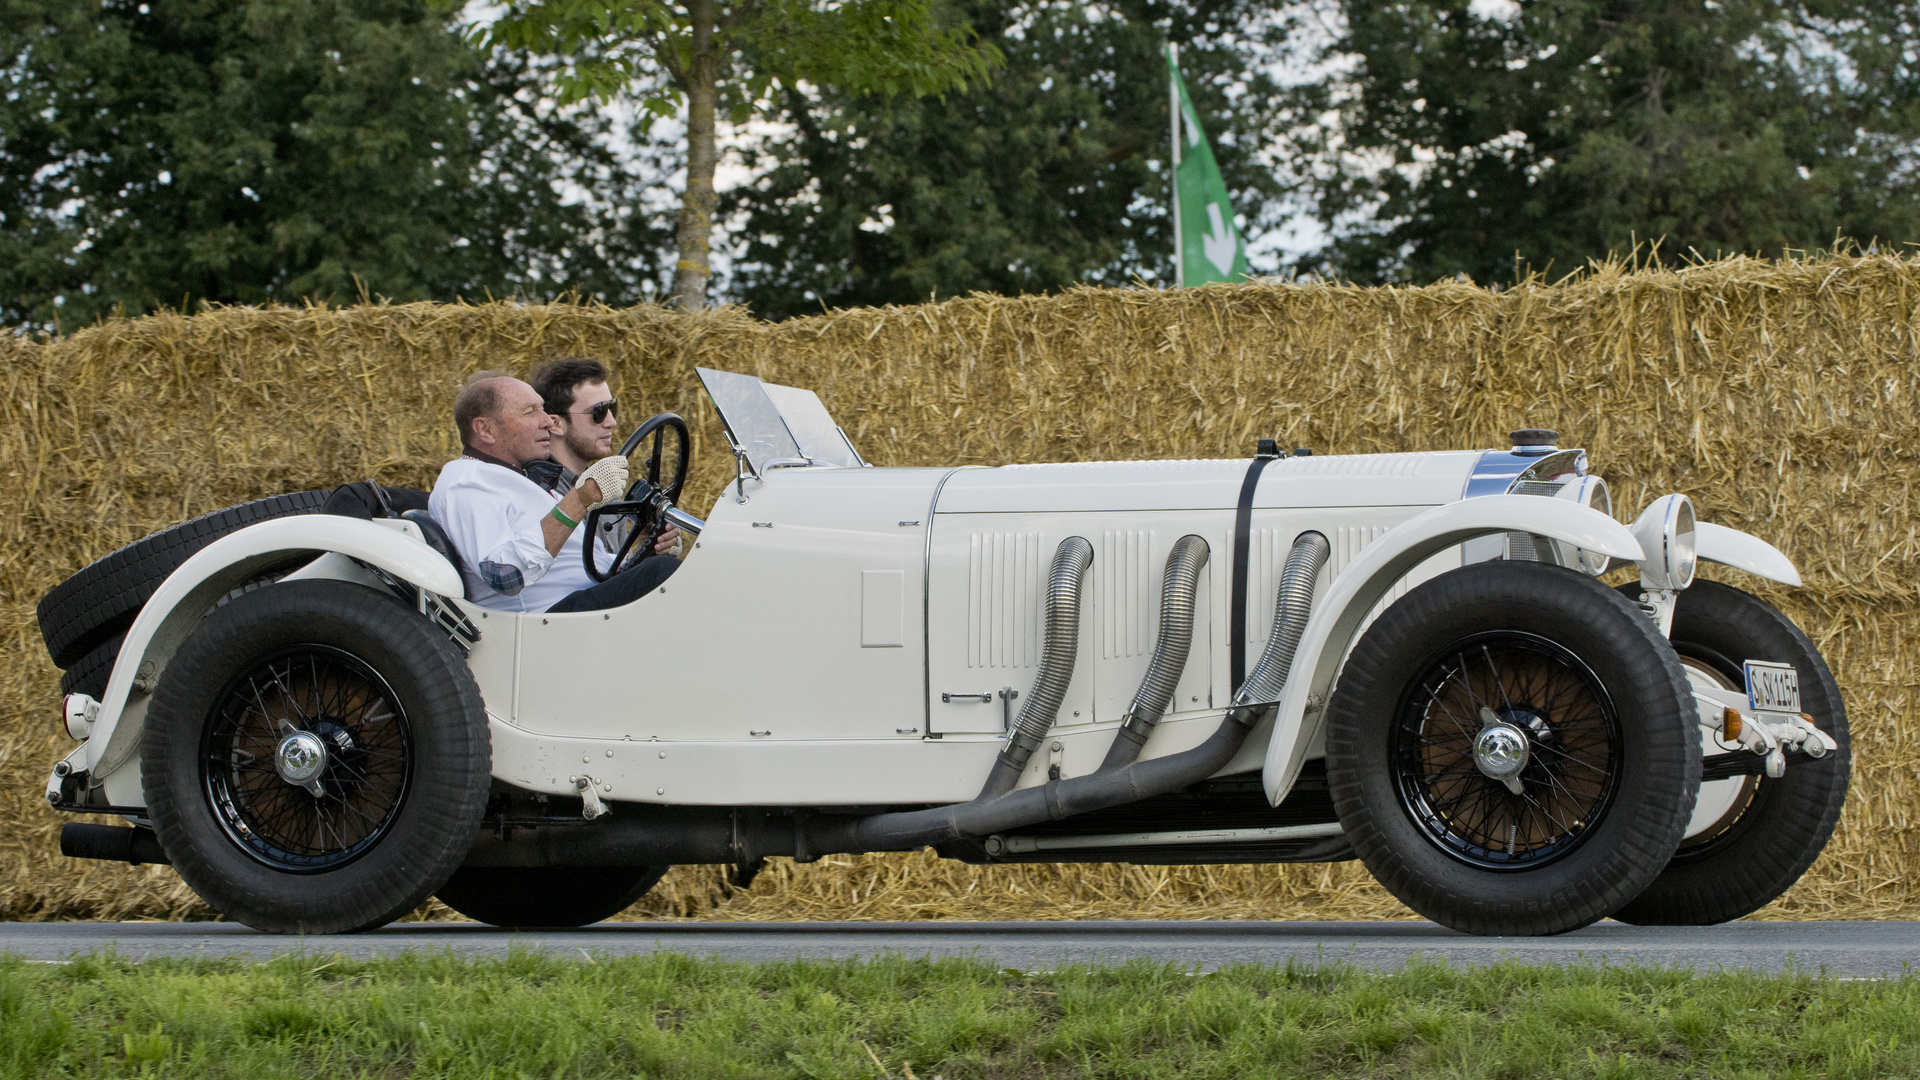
647, 500
657, 426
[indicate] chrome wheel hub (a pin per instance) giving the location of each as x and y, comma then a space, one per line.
300, 758
1501, 751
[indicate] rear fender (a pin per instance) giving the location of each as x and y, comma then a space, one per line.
184, 599
1343, 609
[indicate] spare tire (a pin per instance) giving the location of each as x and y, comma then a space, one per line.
92, 607
90, 673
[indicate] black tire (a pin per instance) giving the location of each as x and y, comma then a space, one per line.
100, 602
406, 769
89, 675
545, 897
1583, 679
1767, 841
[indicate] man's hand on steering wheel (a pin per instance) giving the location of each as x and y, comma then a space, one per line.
646, 501
609, 478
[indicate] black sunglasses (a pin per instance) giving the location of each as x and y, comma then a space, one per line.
600, 410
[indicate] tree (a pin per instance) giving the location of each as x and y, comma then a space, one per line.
734, 54
168, 151
1552, 131
1051, 175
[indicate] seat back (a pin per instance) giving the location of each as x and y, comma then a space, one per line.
436, 538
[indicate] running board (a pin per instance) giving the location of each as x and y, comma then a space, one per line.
1018, 845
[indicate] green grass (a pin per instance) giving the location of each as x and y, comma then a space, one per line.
538, 1015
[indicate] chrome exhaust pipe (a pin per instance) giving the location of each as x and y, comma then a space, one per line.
1178, 586
1061, 642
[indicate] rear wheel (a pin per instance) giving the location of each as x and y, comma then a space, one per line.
1511, 749
1753, 837
544, 896
315, 759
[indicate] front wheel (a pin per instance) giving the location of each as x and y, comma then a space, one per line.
1511, 749
1751, 837
316, 758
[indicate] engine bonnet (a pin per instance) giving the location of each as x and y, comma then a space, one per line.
1426, 479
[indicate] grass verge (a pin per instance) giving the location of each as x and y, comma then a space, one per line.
539, 1015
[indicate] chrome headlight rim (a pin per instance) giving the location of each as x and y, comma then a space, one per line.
1591, 492
1669, 543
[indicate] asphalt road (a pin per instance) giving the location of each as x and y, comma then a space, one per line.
1850, 949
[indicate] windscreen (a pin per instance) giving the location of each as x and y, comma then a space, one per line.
752, 421
812, 426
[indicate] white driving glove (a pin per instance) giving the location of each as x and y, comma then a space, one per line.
610, 473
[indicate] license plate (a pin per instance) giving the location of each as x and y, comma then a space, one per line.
1772, 687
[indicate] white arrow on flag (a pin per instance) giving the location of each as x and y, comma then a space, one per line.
1218, 240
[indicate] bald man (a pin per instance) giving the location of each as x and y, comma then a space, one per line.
521, 542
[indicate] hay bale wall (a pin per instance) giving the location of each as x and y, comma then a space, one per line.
1781, 396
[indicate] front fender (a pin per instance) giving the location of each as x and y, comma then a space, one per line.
183, 599
1343, 608
1742, 551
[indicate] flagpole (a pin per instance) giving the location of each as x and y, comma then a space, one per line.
1173, 174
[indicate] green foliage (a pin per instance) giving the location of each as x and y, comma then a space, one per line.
1577, 127
1050, 175
178, 151
537, 1015
730, 57
864, 46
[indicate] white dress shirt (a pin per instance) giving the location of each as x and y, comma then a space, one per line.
492, 514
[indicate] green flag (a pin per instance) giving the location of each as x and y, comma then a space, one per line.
1208, 247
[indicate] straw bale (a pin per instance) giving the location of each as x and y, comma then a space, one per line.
1780, 395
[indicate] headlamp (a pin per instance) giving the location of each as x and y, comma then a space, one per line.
1590, 492
1667, 543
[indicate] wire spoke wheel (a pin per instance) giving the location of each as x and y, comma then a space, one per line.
315, 759
306, 697
1513, 748
1548, 699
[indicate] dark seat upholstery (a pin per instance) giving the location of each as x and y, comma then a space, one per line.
436, 538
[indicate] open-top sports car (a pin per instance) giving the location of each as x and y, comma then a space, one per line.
1405, 658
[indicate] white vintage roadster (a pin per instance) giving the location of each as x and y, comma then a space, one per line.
1401, 657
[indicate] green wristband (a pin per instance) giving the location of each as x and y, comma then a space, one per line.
561, 517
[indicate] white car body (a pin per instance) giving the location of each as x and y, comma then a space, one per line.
809, 651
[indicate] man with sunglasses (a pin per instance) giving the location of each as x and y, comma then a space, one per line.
520, 540
583, 409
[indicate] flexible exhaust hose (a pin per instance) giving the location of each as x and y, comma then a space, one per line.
1290, 608
1177, 588
1096, 791
1061, 640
